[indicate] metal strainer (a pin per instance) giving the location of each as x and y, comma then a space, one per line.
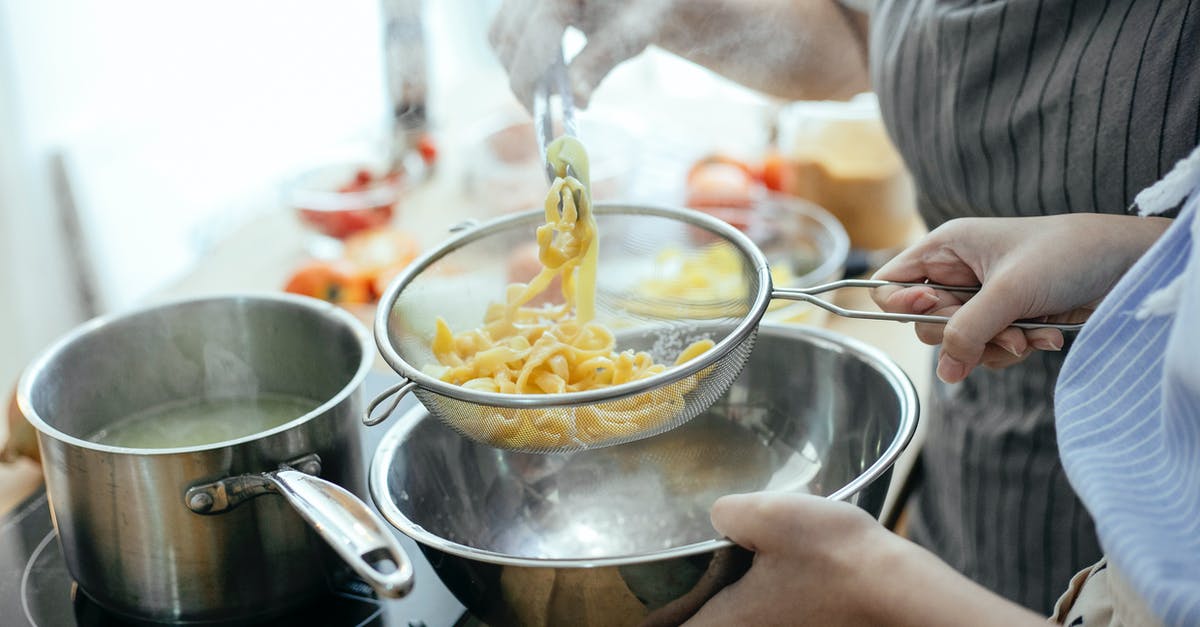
640, 295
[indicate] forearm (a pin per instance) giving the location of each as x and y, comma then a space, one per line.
794, 49
917, 589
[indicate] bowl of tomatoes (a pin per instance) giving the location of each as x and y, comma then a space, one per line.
337, 201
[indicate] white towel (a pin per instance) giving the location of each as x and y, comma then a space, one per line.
1179, 184
1172, 189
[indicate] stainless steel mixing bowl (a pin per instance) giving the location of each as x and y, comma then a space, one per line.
621, 535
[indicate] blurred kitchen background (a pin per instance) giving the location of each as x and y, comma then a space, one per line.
139, 138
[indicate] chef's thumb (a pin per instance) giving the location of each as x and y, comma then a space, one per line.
987, 313
760, 520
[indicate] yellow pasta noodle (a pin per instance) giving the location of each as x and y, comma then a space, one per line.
555, 349
709, 281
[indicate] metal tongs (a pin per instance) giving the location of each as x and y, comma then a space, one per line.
553, 83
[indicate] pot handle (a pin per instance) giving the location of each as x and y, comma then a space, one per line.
349, 526
399, 390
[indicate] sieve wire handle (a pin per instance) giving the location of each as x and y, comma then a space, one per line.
398, 391
809, 295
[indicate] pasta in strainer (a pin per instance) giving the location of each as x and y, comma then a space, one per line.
555, 349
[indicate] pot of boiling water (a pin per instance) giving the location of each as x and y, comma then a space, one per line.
168, 437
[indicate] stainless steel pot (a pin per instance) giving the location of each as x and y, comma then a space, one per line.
176, 534
621, 535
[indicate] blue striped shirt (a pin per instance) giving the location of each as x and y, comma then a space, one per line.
1128, 407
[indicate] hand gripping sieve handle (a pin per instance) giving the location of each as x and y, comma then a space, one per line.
398, 391
355, 532
809, 295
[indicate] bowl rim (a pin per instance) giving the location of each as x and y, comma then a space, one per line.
385, 454
300, 194
840, 252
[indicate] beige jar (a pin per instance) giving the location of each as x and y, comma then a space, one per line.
842, 159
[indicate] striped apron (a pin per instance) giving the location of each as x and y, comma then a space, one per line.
1018, 108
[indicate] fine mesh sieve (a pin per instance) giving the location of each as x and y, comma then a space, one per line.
458, 281
650, 292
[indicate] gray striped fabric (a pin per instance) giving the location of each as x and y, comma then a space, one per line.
1011, 108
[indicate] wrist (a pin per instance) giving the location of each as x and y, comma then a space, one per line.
1125, 235
888, 575
912, 587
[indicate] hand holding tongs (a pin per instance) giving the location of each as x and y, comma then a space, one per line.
809, 295
553, 82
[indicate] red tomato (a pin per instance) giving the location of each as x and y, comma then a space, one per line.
362, 180
336, 282
720, 185
777, 173
427, 148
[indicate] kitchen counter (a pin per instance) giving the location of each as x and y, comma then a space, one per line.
261, 254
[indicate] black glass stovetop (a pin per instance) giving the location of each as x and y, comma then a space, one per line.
37, 591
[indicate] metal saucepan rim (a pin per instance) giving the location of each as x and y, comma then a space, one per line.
31, 373
385, 454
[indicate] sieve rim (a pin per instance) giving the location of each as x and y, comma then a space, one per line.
744, 329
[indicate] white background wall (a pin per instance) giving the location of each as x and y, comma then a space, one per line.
179, 121
35, 302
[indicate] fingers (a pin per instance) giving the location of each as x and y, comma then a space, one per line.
979, 320
525, 32
1010, 346
726, 608
1010, 341
1045, 339
606, 48
523, 36
1016, 285
503, 32
923, 301
914, 300
773, 522
932, 259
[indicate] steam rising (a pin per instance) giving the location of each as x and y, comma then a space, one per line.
227, 375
